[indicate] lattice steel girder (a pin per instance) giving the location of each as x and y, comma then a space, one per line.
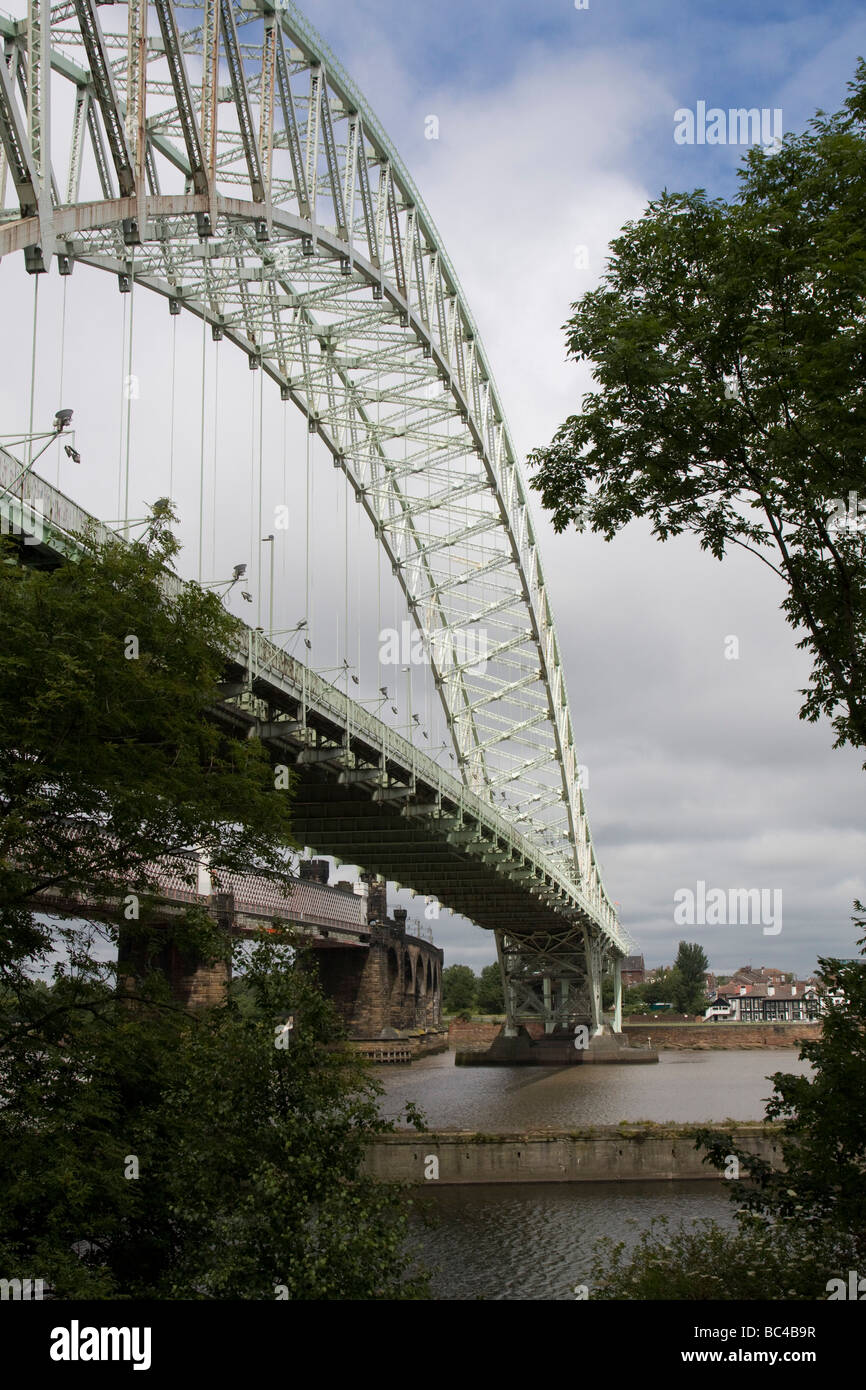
103, 85
406, 338
16, 145
182, 95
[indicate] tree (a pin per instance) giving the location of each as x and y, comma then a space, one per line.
800, 1222
163, 1155
459, 987
147, 1152
660, 989
728, 341
490, 997
823, 1118
108, 761
688, 984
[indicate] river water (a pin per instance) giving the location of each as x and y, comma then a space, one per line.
685, 1087
535, 1241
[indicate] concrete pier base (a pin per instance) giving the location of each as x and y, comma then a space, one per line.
556, 1050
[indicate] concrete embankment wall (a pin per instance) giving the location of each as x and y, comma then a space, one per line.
701, 1036
607, 1153
477, 1036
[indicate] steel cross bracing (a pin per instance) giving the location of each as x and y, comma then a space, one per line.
220, 155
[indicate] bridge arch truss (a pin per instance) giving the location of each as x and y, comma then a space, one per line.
218, 155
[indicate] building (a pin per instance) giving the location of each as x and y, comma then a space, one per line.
801, 1001
633, 972
760, 975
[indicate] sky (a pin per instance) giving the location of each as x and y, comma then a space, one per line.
555, 127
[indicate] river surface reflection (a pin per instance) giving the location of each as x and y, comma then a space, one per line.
683, 1086
535, 1241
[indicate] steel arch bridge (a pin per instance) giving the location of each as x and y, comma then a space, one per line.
241, 175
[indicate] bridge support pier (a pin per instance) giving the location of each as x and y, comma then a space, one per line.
195, 981
550, 988
391, 988
559, 988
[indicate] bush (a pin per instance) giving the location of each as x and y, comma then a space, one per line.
756, 1261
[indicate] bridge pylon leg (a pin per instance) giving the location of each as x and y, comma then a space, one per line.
617, 995
547, 995
510, 1029
594, 966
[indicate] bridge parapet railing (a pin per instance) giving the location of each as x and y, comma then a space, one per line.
65, 519
327, 699
49, 509
420, 929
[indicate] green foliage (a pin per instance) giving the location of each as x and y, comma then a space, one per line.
823, 1130
708, 1261
248, 1154
107, 761
459, 988
656, 991
687, 984
728, 343
490, 999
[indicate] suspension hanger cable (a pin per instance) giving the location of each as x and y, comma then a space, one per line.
62, 360
261, 376
284, 547
252, 489
216, 411
378, 534
122, 396
308, 599
201, 450
174, 319
345, 492
358, 582
129, 388
32, 371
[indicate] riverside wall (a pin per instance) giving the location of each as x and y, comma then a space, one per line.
722, 1036
604, 1153
477, 1035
